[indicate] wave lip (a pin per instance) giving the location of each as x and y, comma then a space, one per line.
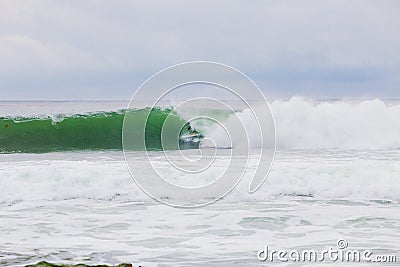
92, 131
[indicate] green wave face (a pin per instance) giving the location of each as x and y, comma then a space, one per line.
95, 131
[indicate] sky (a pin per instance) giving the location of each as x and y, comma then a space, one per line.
89, 50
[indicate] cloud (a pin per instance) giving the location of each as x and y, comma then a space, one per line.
291, 47
22, 53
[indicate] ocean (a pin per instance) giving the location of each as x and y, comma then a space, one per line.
67, 196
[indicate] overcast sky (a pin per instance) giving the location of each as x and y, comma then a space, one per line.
106, 49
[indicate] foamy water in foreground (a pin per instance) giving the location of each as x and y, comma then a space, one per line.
94, 232
84, 207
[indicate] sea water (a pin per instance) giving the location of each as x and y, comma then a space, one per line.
335, 176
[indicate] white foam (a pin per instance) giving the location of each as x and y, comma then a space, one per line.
95, 175
370, 124
304, 124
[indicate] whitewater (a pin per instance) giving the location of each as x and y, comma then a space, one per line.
335, 175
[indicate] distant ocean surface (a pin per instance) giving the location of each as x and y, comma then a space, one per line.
66, 194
